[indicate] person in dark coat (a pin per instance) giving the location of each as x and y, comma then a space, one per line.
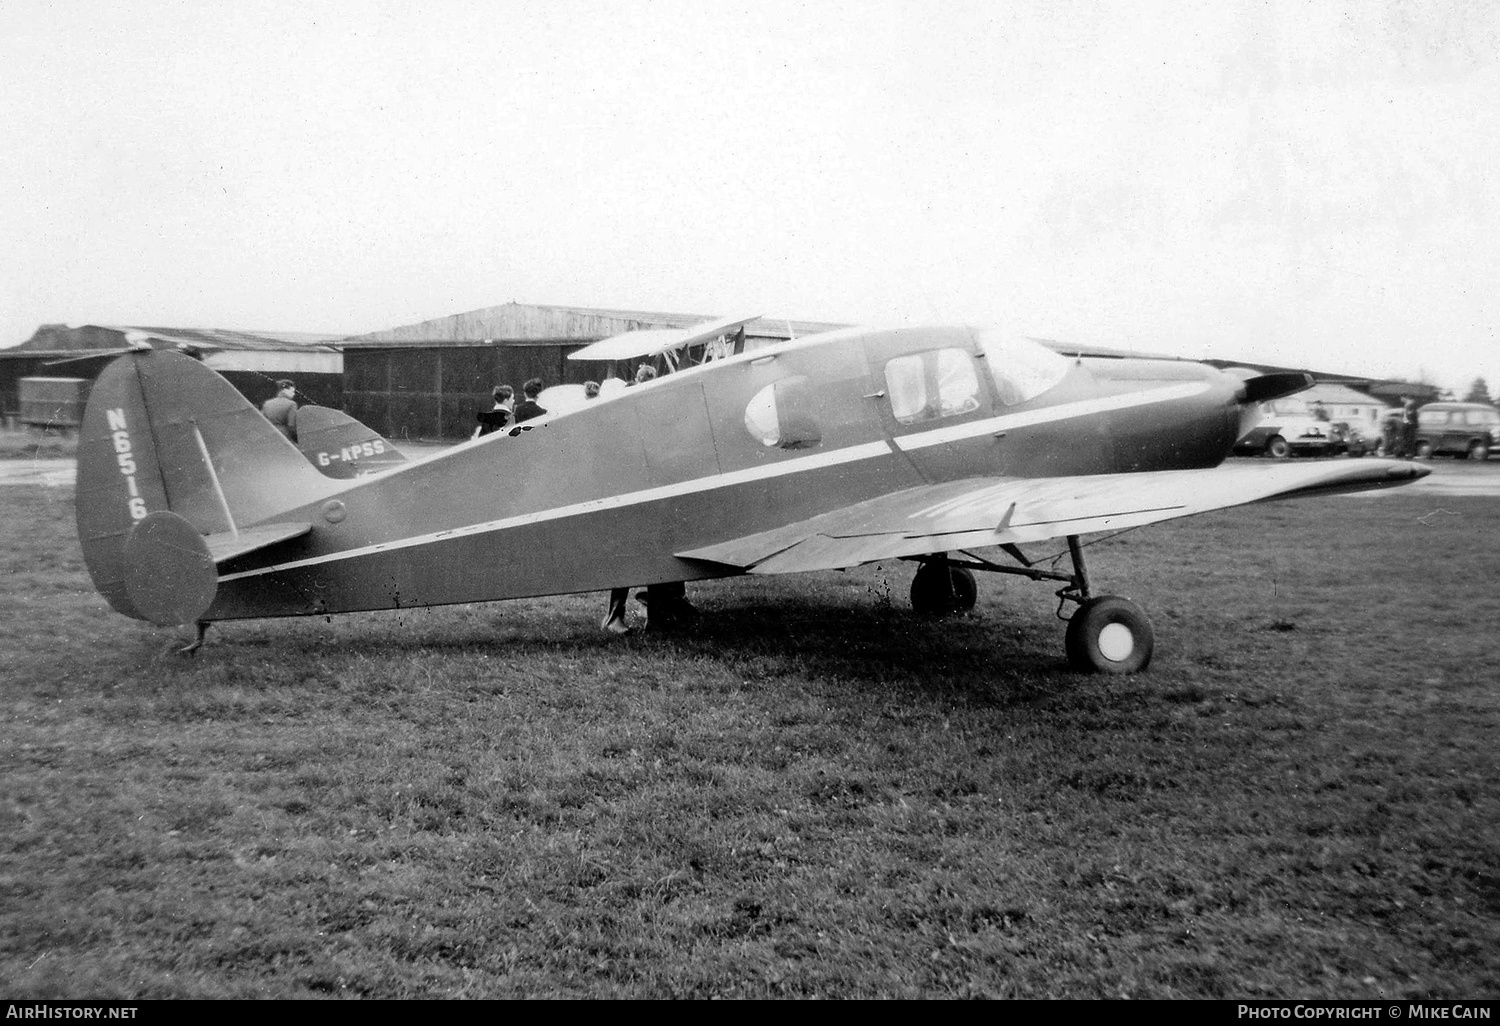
528, 408
1409, 429
494, 419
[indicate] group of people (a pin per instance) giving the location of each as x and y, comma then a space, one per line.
507, 411
666, 604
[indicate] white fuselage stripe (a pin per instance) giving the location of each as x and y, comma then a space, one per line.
782, 468
1047, 414
818, 461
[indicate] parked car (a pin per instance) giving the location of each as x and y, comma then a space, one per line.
1355, 441
1466, 430
1293, 434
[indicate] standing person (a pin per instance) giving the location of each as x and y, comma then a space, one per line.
499, 415
1409, 429
281, 409
528, 408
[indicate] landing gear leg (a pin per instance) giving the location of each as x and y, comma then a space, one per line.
1107, 633
197, 643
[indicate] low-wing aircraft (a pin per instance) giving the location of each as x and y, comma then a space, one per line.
831, 451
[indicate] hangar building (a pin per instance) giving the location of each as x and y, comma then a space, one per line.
251, 361
428, 380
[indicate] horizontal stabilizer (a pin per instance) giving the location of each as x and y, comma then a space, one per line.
227, 545
980, 512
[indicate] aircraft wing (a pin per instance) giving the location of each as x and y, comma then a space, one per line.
978, 512
650, 341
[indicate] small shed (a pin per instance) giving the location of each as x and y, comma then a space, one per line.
1340, 402
53, 402
252, 361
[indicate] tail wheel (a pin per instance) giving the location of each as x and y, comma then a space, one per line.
1109, 634
1478, 450
1278, 447
932, 595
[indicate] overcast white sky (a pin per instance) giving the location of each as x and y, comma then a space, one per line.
1312, 183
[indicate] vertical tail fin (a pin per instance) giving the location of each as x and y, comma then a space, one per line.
164, 434
340, 446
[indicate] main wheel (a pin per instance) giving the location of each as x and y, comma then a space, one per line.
931, 595
1109, 634
965, 589
1278, 447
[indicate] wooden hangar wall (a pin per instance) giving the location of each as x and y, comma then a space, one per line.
433, 391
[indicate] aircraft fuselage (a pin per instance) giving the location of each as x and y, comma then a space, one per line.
603, 496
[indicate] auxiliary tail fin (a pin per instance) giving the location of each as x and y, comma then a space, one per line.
340, 446
175, 469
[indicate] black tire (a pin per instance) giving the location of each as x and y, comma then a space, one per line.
1278, 447
1096, 643
965, 589
932, 596
1478, 450
1424, 450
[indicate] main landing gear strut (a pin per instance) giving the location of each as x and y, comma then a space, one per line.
1106, 633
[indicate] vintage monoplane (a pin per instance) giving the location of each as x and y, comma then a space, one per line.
826, 452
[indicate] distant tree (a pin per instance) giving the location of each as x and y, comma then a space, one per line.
1479, 392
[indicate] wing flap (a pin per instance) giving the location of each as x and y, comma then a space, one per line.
980, 512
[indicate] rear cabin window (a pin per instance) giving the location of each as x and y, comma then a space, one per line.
782, 415
1433, 417
926, 386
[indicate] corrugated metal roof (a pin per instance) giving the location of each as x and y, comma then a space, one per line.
57, 338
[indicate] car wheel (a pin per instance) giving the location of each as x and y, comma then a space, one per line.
1479, 451
1424, 450
1278, 448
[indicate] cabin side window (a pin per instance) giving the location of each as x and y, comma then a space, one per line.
926, 386
1021, 369
782, 415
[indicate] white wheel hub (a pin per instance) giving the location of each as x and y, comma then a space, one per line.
1116, 642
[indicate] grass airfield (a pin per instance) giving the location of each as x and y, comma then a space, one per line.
813, 793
